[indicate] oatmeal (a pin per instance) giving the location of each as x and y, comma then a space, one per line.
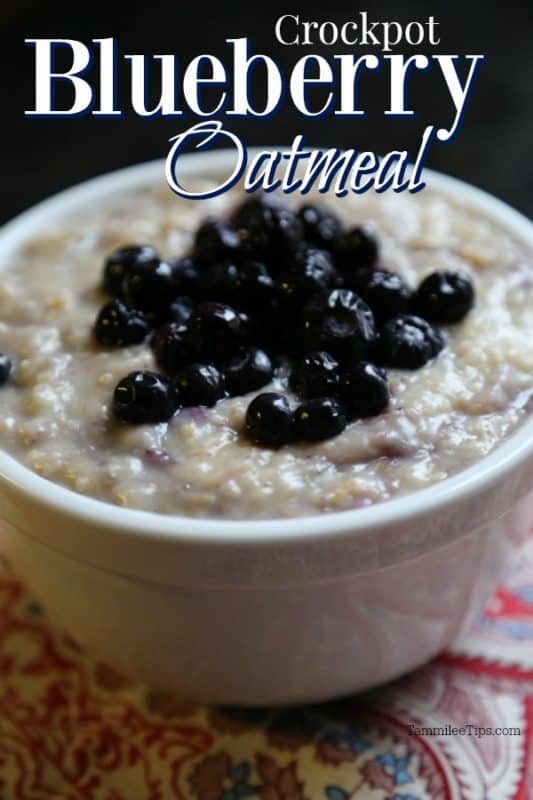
441, 417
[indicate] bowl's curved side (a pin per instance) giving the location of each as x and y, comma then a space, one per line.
280, 643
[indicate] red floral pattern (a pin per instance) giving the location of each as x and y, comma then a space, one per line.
72, 729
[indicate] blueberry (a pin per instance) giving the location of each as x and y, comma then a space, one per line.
253, 285
217, 330
258, 329
200, 385
150, 286
248, 370
218, 281
356, 249
121, 261
246, 284
318, 419
364, 390
321, 225
6, 368
407, 342
267, 228
249, 328
308, 272
386, 293
278, 331
445, 297
180, 310
172, 347
186, 276
143, 397
269, 420
339, 322
215, 240
315, 375
117, 325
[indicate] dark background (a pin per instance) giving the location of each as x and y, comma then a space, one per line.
493, 149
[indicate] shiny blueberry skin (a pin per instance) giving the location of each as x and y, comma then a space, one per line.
121, 261
172, 347
250, 333
364, 390
244, 284
217, 330
407, 342
339, 322
319, 419
269, 420
6, 368
308, 271
186, 276
150, 286
254, 286
248, 370
315, 375
268, 229
386, 293
180, 310
445, 297
321, 225
200, 385
215, 240
356, 249
145, 397
117, 325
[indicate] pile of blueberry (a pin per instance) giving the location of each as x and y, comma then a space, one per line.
267, 288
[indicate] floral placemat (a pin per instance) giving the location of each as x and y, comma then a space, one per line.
461, 728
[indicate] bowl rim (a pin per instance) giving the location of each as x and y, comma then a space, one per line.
133, 522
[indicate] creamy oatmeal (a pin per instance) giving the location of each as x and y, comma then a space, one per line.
56, 409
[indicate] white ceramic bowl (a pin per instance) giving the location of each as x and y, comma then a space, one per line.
266, 612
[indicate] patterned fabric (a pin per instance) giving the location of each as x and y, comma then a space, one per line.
73, 729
